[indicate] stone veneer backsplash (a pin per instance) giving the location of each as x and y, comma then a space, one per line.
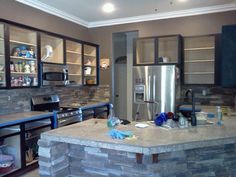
18, 100
214, 95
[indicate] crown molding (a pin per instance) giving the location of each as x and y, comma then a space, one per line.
54, 11
158, 16
165, 15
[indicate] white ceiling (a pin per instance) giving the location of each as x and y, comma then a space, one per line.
88, 12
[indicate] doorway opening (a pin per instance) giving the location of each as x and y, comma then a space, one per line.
122, 63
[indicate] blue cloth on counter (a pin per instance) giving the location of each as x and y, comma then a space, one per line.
118, 134
160, 119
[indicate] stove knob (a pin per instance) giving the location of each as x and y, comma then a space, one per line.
62, 115
72, 113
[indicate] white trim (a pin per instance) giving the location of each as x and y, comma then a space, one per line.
165, 15
54, 11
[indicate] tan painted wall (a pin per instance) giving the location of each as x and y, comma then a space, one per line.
186, 26
17, 12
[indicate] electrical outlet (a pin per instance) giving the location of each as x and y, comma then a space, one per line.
9, 98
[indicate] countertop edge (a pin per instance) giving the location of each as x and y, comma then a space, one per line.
141, 149
21, 120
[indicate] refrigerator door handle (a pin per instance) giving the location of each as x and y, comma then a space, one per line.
149, 89
154, 87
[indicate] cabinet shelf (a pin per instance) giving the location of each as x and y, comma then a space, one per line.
23, 58
22, 73
8, 133
198, 61
32, 162
73, 52
90, 65
3, 146
90, 75
198, 73
89, 55
32, 137
71, 63
1, 55
25, 43
199, 48
1, 39
74, 74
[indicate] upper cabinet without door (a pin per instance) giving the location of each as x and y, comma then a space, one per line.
90, 63
157, 50
51, 49
200, 59
23, 57
74, 61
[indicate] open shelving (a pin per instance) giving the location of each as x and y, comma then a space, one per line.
168, 48
29, 49
74, 61
199, 59
10, 137
90, 65
158, 50
51, 49
23, 61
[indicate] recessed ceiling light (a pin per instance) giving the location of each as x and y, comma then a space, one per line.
108, 7
182, 0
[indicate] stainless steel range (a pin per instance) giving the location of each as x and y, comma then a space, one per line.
63, 116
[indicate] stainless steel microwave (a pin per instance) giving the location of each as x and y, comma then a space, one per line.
54, 74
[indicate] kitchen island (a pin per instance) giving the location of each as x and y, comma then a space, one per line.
86, 149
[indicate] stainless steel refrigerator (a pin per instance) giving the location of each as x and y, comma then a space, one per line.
155, 90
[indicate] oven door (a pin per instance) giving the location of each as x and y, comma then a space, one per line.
53, 74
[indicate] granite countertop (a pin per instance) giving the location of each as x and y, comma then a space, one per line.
15, 118
150, 140
86, 105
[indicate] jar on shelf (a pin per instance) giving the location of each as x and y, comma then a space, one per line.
32, 66
27, 68
20, 66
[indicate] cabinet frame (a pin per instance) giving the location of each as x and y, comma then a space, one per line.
8, 23
24, 167
156, 44
97, 63
217, 53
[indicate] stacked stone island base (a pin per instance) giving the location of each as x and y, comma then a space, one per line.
85, 150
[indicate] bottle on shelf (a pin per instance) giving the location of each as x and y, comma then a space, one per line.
20, 66
12, 67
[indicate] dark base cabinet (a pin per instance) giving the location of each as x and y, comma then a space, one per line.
228, 62
19, 148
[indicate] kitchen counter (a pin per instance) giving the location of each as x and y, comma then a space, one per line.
16, 118
86, 105
149, 140
150, 145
